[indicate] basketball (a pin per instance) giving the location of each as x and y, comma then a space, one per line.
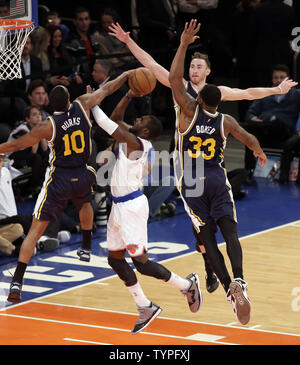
142, 81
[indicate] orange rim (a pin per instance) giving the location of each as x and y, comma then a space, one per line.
13, 24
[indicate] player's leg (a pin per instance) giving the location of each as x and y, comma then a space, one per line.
36, 230
86, 217
212, 282
188, 286
237, 288
208, 237
82, 198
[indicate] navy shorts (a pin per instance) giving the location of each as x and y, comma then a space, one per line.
60, 186
215, 202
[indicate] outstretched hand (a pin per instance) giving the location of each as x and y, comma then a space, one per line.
262, 158
117, 32
286, 85
189, 36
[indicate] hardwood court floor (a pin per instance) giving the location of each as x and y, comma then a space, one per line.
103, 312
99, 309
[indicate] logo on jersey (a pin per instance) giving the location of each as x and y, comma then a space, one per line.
132, 249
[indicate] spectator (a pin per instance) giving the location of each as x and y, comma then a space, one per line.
111, 45
40, 41
272, 119
54, 19
4, 9
83, 46
14, 226
36, 157
38, 95
9, 232
31, 66
61, 65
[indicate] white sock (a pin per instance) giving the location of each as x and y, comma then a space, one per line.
180, 283
138, 295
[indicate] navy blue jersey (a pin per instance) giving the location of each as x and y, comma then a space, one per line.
70, 145
191, 90
204, 137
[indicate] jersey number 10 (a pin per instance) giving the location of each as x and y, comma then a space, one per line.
71, 143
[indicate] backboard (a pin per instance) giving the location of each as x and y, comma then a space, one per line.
19, 9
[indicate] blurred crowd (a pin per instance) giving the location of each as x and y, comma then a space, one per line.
247, 41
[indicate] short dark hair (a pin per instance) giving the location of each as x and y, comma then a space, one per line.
80, 9
59, 98
28, 109
202, 56
155, 127
35, 84
281, 67
211, 95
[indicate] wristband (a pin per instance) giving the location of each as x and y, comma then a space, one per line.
103, 121
280, 88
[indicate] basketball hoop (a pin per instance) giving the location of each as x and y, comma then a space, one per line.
13, 35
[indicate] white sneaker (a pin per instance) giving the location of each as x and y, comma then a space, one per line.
237, 294
146, 316
64, 236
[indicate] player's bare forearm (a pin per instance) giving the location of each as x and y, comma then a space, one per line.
256, 92
89, 100
118, 113
231, 126
18, 144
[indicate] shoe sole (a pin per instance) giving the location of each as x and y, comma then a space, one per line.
200, 294
159, 310
14, 298
242, 304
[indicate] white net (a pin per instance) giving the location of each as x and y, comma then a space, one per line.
12, 40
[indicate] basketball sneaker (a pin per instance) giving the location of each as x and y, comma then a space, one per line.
237, 294
14, 295
146, 316
193, 294
212, 282
84, 254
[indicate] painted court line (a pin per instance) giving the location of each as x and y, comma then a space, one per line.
231, 324
85, 341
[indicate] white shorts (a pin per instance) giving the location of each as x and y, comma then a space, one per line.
127, 226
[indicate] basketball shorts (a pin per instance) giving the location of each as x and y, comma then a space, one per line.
127, 226
60, 186
215, 202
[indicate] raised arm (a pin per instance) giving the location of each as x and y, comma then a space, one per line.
89, 100
231, 126
116, 131
184, 100
40, 131
256, 92
118, 113
142, 56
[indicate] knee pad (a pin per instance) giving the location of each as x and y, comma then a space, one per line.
154, 269
123, 270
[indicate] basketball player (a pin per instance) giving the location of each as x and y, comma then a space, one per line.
202, 131
127, 224
198, 71
68, 177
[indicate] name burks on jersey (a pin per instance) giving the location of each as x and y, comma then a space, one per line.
205, 129
70, 123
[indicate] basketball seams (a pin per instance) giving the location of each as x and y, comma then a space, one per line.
141, 81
